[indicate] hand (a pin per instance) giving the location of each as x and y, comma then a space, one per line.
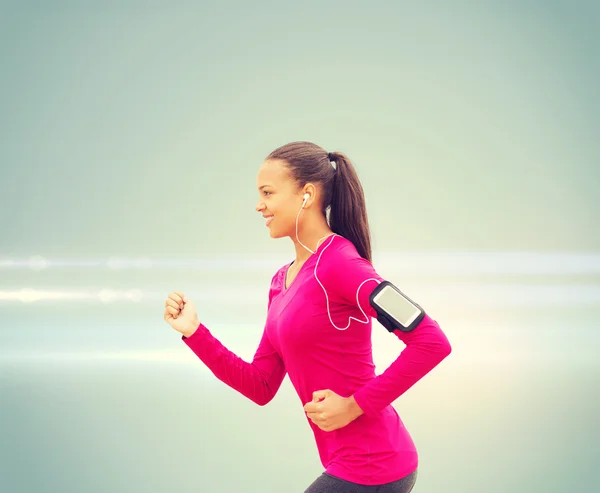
180, 313
330, 411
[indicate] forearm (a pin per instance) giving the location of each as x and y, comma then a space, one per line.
258, 382
425, 348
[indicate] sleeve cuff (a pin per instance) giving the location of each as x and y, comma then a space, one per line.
363, 403
200, 329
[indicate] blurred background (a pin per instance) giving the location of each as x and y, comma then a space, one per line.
131, 134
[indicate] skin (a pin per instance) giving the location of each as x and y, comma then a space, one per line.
281, 197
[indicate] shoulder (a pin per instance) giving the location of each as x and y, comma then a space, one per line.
343, 271
339, 257
337, 248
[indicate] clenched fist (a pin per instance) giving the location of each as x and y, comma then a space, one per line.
180, 313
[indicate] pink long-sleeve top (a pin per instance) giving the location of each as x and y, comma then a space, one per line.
299, 339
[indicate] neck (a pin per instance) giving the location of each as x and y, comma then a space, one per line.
312, 235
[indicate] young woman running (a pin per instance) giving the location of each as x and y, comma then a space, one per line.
318, 327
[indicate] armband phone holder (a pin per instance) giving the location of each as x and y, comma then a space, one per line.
394, 309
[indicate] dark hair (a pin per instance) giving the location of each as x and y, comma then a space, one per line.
342, 191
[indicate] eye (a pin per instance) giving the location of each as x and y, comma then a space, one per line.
267, 193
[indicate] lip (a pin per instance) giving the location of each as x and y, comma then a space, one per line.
269, 219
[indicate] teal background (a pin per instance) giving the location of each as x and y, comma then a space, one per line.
130, 138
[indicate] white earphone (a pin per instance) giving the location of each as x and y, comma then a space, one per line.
306, 197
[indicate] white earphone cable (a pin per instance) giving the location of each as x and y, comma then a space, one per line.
333, 235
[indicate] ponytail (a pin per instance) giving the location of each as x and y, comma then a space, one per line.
348, 213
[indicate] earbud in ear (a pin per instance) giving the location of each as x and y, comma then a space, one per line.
306, 197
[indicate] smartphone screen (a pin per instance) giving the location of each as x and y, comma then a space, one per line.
397, 305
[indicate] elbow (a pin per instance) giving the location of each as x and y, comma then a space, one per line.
263, 399
444, 348
438, 352
262, 402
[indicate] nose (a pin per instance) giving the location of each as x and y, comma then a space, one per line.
259, 206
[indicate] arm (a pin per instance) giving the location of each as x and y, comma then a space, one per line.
426, 345
259, 380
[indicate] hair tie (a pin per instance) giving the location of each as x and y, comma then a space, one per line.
331, 158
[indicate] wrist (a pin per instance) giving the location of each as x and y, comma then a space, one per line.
191, 329
354, 408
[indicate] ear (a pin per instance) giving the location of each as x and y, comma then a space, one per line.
311, 190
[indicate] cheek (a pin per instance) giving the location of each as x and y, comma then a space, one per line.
283, 223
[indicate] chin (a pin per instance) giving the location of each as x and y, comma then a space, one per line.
274, 233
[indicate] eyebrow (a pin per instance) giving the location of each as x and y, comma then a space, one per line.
265, 186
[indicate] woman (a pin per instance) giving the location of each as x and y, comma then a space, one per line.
318, 327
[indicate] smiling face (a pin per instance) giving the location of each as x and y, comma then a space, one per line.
280, 198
